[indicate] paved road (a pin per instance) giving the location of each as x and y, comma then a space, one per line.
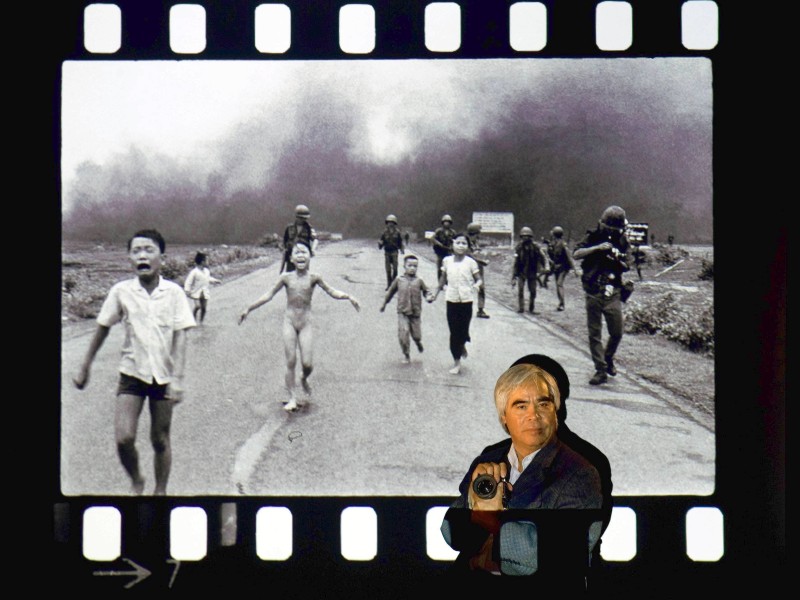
373, 426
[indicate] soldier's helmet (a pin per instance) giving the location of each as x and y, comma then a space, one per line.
557, 231
526, 231
614, 218
301, 210
447, 218
391, 219
473, 228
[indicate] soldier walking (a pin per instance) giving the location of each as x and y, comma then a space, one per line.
529, 260
443, 241
300, 230
605, 254
391, 242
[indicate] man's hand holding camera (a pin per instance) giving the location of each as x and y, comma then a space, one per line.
484, 475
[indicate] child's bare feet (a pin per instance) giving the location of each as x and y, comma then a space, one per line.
137, 487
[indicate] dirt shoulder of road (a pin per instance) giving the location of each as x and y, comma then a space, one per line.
652, 359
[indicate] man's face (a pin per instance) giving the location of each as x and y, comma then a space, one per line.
527, 238
301, 257
530, 417
614, 229
145, 256
411, 266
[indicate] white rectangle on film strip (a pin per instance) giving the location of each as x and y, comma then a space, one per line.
614, 25
443, 27
187, 28
273, 28
527, 26
699, 24
102, 28
357, 28
102, 533
188, 533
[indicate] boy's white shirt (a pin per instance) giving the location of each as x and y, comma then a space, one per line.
150, 322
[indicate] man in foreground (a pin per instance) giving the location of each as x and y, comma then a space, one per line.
532, 469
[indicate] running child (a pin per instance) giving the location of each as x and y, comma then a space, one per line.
409, 289
198, 285
461, 276
155, 313
297, 330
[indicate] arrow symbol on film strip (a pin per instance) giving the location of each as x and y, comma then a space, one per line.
140, 572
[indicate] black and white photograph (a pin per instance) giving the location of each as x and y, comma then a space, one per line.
235, 188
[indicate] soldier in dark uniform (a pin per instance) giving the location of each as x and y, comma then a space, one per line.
474, 240
529, 260
561, 262
299, 230
443, 241
391, 242
606, 255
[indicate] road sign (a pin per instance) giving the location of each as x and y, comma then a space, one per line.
637, 233
495, 222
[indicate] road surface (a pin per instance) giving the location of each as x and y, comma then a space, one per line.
372, 425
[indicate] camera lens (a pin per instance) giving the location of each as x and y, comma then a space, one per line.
485, 486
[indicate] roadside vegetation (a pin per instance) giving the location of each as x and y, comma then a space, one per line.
669, 319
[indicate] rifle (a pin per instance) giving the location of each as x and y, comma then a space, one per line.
283, 263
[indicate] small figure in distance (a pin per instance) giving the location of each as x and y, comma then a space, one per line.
153, 355
475, 247
561, 262
198, 285
297, 329
410, 290
544, 276
639, 258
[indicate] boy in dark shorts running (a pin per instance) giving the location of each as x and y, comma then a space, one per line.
410, 290
156, 315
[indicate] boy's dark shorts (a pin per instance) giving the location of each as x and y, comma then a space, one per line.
136, 387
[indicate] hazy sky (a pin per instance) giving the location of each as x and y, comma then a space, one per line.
238, 116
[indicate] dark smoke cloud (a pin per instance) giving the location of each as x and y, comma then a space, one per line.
557, 154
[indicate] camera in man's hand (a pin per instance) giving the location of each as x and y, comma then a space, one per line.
616, 255
485, 486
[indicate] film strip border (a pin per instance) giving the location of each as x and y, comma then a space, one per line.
325, 29
213, 543
297, 542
